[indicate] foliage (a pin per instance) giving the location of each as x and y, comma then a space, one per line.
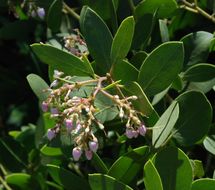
125, 92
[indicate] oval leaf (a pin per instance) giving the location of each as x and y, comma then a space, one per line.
195, 117
165, 7
122, 40
196, 47
209, 144
163, 128
207, 184
39, 86
62, 61
200, 72
151, 177
127, 167
98, 38
174, 169
102, 181
124, 71
161, 67
55, 15
51, 151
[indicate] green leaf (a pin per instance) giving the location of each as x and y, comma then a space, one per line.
55, 15
165, 7
122, 40
196, 46
98, 38
107, 111
164, 126
164, 33
209, 144
102, 182
200, 72
151, 177
174, 168
128, 166
124, 71
67, 179
195, 118
99, 164
143, 28
62, 61
202, 86
138, 58
205, 183
13, 156
51, 151
39, 86
198, 170
22, 181
142, 103
161, 67
157, 98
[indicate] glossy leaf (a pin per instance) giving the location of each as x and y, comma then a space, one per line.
161, 67
151, 177
200, 72
164, 33
174, 168
142, 103
209, 144
196, 46
102, 181
39, 86
55, 15
62, 61
164, 126
99, 164
67, 179
204, 87
194, 118
127, 167
21, 181
122, 40
205, 183
143, 28
121, 69
198, 170
165, 7
98, 38
51, 151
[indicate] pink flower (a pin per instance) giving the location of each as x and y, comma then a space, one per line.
76, 153
50, 134
41, 12
45, 106
54, 111
142, 130
93, 146
88, 154
69, 124
129, 133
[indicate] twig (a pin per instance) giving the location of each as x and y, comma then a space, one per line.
4, 183
71, 11
193, 7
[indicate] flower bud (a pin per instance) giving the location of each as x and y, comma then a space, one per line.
121, 113
129, 133
76, 153
41, 12
54, 111
45, 106
142, 130
50, 134
69, 124
88, 154
93, 145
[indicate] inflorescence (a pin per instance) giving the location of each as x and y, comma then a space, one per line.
78, 114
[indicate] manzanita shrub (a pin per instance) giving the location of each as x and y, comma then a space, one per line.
130, 98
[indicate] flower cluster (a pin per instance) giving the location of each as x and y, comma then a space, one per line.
77, 114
